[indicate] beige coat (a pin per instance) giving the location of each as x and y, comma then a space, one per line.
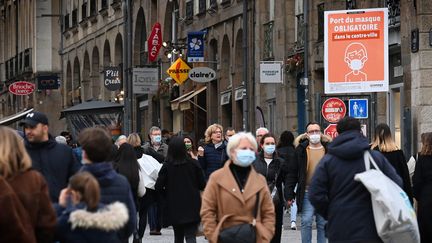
222, 197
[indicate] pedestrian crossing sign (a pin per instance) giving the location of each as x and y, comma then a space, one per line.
358, 108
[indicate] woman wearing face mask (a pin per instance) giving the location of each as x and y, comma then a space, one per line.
231, 193
190, 147
273, 168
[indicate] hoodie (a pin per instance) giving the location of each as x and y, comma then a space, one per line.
346, 203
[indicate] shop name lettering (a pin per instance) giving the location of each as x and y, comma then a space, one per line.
182, 70
22, 88
112, 77
271, 72
155, 42
202, 75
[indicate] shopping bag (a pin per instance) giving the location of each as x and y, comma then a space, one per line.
150, 168
395, 218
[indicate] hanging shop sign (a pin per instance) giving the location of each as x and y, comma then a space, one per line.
154, 42
271, 72
48, 82
333, 109
195, 47
145, 80
22, 88
179, 71
202, 74
356, 51
112, 78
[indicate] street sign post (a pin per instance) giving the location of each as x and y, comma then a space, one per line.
358, 108
333, 109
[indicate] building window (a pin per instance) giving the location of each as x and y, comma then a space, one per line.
202, 6
84, 11
213, 3
189, 10
225, 2
74, 17
93, 7
351, 4
299, 31
393, 12
320, 22
104, 4
66, 22
268, 40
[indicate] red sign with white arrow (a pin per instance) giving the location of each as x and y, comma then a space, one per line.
154, 42
22, 88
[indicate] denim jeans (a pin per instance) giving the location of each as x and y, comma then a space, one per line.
308, 212
293, 212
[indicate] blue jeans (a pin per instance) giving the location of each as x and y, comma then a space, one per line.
308, 212
294, 212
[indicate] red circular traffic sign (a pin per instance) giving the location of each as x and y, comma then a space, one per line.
333, 110
22, 88
331, 131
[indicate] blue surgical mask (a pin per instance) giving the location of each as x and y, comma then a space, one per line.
157, 138
245, 157
269, 149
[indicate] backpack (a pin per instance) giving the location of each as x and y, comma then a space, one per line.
395, 218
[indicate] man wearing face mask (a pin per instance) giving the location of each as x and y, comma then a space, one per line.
310, 148
158, 150
274, 169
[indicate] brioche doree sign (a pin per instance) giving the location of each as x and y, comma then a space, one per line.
22, 88
356, 51
179, 71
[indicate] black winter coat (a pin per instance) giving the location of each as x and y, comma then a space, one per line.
180, 184
274, 173
213, 159
422, 186
335, 195
397, 159
297, 171
56, 162
114, 187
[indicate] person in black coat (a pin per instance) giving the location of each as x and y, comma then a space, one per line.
56, 162
334, 193
273, 168
215, 155
384, 143
180, 180
422, 187
125, 163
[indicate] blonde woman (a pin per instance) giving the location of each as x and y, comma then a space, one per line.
214, 154
135, 140
384, 143
236, 194
29, 189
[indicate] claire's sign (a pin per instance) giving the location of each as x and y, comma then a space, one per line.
154, 42
202, 74
112, 80
22, 88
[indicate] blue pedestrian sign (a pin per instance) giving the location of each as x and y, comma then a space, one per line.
358, 108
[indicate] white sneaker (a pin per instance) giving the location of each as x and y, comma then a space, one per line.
293, 225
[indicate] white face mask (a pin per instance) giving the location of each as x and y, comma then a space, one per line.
315, 138
356, 64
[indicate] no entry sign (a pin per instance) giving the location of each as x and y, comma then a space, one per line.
333, 109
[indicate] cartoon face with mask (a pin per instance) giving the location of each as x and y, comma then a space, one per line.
355, 57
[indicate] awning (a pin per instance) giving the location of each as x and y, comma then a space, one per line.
175, 103
13, 118
92, 107
185, 102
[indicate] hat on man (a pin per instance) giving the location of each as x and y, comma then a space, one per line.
34, 118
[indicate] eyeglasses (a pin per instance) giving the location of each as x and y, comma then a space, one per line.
314, 132
217, 132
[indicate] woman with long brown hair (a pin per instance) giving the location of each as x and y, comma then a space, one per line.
81, 218
384, 143
28, 191
422, 187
